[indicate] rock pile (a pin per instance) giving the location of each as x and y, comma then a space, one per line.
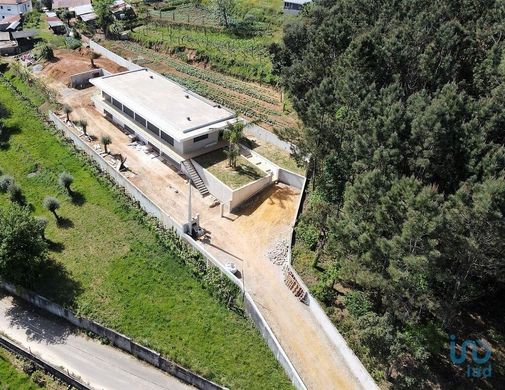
278, 253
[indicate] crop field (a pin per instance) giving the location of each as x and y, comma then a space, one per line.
247, 58
256, 102
110, 265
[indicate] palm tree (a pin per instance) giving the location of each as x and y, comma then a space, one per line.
66, 180
67, 110
93, 56
233, 133
52, 204
105, 140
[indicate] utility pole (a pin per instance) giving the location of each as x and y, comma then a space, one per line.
190, 217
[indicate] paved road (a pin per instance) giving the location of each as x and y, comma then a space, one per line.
55, 341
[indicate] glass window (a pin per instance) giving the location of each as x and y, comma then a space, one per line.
201, 138
128, 112
117, 104
153, 129
107, 97
167, 138
140, 120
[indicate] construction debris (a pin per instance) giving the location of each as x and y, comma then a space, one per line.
278, 253
293, 284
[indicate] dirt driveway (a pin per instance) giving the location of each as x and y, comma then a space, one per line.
243, 238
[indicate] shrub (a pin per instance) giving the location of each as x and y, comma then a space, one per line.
5, 182
72, 43
357, 304
65, 180
52, 204
308, 234
15, 193
105, 140
43, 51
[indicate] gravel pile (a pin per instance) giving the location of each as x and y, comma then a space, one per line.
278, 253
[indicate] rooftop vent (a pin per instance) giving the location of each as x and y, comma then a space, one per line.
187, 96
188, 118
151, 77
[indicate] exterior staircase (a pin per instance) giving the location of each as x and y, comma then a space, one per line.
195, 177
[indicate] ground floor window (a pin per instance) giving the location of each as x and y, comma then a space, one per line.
108, 115
201, 138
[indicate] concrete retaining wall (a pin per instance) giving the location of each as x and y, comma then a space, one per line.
353, 363
117, 339
113, 56
81, 80
291, 178
215, 186
243, 194
265, 135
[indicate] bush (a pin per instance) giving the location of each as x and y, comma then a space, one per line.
5, 182
324, 293
43, 51
308, 234
72, 43
65, 180
357, 304
51, 203
15, 193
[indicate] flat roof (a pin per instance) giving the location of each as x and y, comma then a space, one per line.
83, 9
88, 17
174, 109
69, 3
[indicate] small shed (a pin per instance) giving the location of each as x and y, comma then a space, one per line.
7, 44
56, 25
10, 22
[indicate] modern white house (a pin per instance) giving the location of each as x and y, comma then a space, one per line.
293, 7
14, 7
175, 122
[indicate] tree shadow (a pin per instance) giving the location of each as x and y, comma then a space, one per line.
77, 198
54, 282
5, 133
64, 223
37, 324
57, 247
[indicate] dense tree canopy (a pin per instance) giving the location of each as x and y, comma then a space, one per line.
22, 244
403, 107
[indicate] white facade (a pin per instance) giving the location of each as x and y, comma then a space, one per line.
174, 120
14, 7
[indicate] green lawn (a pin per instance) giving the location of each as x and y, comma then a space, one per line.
217, 163
276, 155
11, 377
113, 268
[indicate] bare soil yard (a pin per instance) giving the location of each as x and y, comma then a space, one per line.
69, 62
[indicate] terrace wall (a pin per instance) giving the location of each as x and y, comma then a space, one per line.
265, 135
82, 79
243, 194
113, 56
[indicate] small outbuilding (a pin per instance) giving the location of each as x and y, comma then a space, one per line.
294, 7
56, 25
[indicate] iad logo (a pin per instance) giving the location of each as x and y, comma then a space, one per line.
476, 368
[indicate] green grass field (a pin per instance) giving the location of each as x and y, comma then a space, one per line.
112, 268
217, 163
11, 377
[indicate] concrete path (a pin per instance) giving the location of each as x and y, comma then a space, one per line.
57, 342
